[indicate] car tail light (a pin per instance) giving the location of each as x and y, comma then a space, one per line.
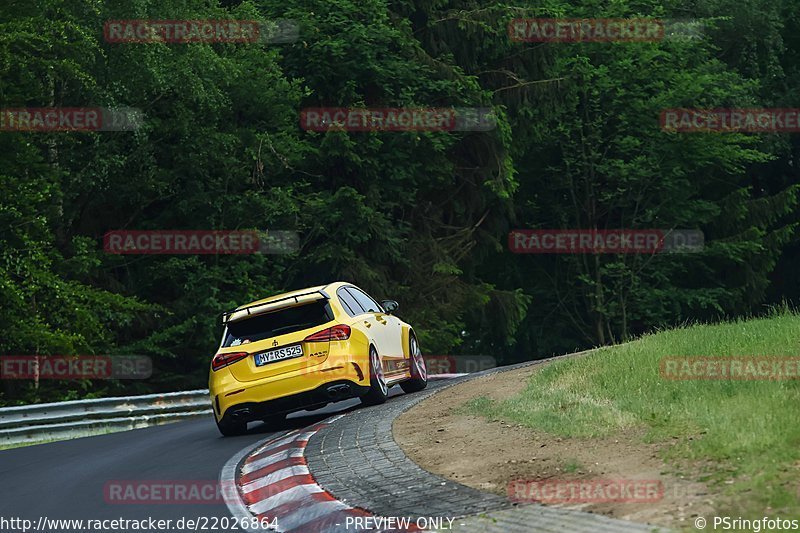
339, 332
222, 360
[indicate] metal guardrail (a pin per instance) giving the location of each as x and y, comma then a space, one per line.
81, 418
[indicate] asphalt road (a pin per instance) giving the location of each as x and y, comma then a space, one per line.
68, 479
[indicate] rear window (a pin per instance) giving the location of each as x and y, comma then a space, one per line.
281, 322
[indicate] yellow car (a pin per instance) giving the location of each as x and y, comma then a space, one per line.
304, 349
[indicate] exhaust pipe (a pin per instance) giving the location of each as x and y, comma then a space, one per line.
241, 414
336, 392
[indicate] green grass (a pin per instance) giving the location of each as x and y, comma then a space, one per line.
23, 444
100, 431
745, 431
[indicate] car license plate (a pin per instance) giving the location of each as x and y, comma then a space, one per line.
278, 354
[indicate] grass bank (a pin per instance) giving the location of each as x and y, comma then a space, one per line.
742, 436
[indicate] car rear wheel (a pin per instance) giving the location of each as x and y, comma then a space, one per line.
419, 372
231, 428
378, 389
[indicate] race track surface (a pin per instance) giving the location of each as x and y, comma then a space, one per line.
67, 479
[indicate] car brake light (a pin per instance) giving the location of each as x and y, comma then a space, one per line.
339, 332
222, 360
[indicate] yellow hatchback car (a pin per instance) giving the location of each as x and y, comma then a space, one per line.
305, 349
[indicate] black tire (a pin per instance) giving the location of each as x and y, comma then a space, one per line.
419, 372
230, 428
378, 389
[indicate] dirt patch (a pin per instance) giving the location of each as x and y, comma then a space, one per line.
490, 454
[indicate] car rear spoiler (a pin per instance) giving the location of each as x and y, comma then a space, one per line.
257, 309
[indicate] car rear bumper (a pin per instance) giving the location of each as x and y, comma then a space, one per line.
333, 391
292, 391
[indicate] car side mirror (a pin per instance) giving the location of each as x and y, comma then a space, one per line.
390, 306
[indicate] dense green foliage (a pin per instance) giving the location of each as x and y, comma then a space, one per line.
418, 217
